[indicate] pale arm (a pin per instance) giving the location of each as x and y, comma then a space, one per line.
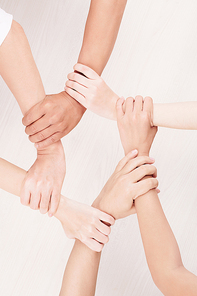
181, 115
161, 249
94, 94
81, 272
18, 69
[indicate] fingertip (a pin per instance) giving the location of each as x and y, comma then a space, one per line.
134, 152
152, 159
112, 221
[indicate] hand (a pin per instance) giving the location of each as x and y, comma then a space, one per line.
42, 185
125, 185
52, 118
85, 223
92, 92
135, 124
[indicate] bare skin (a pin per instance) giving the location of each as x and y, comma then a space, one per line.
94, 94
161, 248
41, 188
124, 186
98, 42
78, 220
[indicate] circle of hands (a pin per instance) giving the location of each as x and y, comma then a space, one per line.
54, 117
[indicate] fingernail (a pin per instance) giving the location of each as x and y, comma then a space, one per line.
151, 158
36, 146
134, 151
50, 215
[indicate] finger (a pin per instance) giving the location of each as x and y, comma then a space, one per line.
51, 140
55, 199
106, 218
119, 108
88, 72
37, 126
45, 200
129, 105
44, 134
93, 245
142, 171
77, 87
33, 114
103, 228
79, 78
157, 189
125, 160
136, 162
77, 96
138, 104
144, 186
100, 237
148, 107
35, 200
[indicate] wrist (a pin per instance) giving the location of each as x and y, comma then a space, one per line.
54, 148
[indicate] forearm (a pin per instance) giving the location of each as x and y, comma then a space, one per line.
81, 272
176, 115
83, 262
101, 31
161, 249
18, 69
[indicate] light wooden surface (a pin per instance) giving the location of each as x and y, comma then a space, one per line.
156, 55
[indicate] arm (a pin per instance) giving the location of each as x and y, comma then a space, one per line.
176, 115
78, 220
116, 198
100, 34
101, 31
95, 95
19, 71
84, 264
161, 249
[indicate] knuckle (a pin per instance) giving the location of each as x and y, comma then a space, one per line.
54, 119
41, 136
48, 104
55, 201
52, 139
91, 230
33, 128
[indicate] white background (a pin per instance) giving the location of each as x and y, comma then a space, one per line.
156, 55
